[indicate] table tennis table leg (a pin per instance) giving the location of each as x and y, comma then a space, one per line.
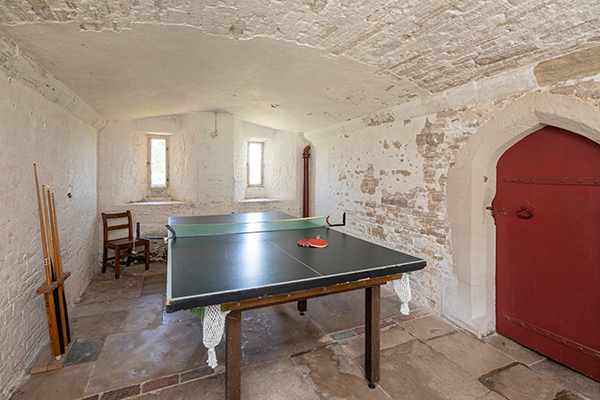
233, 358
302, 306
372, 335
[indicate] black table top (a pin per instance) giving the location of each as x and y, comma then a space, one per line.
209, 270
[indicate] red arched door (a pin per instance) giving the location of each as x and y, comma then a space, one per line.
547, 214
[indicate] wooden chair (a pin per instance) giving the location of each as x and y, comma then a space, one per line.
122, 246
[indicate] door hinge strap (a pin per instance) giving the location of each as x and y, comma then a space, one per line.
572, 181
588, 351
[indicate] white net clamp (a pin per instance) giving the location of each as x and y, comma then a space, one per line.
402, 289
213, 327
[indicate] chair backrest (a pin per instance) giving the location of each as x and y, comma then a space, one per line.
108, 228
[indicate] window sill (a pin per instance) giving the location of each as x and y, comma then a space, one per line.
258, 200
156, 203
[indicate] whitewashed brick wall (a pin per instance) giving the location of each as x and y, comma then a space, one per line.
207, 170
35, 130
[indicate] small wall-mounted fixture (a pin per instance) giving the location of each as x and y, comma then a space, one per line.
216, 132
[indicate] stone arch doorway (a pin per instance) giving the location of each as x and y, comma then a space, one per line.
468, 296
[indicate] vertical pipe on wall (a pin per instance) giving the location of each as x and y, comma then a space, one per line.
305, 190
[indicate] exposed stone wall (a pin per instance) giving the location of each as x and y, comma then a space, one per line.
586, 90
391, 179
389, 171
35, 130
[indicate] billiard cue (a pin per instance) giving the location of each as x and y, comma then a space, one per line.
48, 234
49, 299
64, 318
51, 253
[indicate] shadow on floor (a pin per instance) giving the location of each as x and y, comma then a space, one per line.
128, 347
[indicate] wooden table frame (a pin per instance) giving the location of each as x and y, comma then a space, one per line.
233, 361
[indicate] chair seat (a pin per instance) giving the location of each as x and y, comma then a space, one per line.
125, 242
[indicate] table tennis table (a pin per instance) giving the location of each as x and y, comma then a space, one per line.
250, 270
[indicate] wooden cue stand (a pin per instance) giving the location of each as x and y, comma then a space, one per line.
47, 361
54, 290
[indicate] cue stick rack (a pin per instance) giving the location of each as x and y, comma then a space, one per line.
54, 287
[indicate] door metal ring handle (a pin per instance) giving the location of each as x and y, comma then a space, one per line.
529, 214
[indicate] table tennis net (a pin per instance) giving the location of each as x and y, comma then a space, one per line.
192, 230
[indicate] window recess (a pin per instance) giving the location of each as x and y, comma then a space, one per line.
255, 164
158, 166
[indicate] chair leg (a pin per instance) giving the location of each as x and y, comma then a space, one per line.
104, 259
117, 262
147, 249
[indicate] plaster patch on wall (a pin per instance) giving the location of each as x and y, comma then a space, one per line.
369, 182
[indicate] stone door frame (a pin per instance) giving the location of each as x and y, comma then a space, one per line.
468, 296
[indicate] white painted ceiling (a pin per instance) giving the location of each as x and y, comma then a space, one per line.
160, 70
287, 65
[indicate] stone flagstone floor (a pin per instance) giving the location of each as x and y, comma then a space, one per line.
128, 347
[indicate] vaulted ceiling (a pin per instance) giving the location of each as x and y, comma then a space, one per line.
291, 65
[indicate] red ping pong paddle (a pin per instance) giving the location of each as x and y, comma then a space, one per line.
319, 243
303, 242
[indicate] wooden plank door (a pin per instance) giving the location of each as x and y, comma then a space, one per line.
547, 214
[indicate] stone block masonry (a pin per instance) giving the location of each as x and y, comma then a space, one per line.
391, 175
443, 44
